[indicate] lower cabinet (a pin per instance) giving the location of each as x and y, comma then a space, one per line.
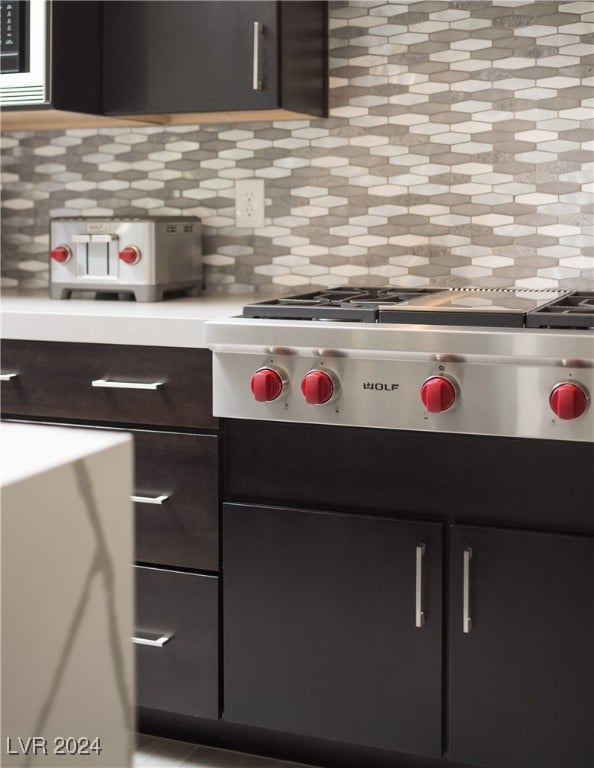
177, 460
522, 670
333, 629
176, 488
177, 642
332, 626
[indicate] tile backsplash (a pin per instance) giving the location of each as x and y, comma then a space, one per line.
458, 150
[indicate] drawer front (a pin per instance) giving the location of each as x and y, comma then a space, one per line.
162, 386
183, 529
181, 673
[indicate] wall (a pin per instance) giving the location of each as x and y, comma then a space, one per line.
459, 150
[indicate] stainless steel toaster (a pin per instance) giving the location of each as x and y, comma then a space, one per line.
146, 257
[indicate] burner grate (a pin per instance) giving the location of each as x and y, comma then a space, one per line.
573, 311
471, 306
347, 304
572, 305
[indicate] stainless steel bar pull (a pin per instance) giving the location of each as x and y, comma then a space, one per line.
466, 620
151, 499
8, 376
256, 82
157, 642
109, 384
419, 613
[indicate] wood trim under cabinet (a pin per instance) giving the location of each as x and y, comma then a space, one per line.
55, 119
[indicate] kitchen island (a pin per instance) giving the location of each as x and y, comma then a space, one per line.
67, 597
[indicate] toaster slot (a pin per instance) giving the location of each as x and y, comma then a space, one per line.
96, 255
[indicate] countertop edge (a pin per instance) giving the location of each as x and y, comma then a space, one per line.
34, 450
175, 323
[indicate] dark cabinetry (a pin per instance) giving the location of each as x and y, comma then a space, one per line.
341, 548
75, 56
177, 642
332, 626
179, 60
163, 396
323, 638
177, 499
68, 381
190, 57
318, 604
522, 673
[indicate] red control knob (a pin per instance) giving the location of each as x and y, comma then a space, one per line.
130, 254
266, 385
438, 394
317, 387
568, 401
61, 253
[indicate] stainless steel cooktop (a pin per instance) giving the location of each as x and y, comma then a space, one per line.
464, 361
480, 307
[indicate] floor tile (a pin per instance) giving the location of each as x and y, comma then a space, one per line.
145, 742
155, 752
208, 757
162, 753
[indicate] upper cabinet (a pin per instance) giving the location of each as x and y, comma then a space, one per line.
168, 60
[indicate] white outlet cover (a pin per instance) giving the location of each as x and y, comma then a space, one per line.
249, 203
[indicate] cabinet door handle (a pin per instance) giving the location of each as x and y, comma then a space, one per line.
110, 384
158, 642
419, 612
150, 499
8, 376
256, 82
466, 620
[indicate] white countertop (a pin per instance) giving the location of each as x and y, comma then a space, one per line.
170, 323
32, 449
67, 608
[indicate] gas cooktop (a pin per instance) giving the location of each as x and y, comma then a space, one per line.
505, 362
501, 307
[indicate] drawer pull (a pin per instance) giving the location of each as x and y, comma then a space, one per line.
8, 376
109, 384
150, 499
158, 642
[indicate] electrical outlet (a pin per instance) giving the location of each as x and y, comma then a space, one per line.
249, 203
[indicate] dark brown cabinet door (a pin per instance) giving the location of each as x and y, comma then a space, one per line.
522, 674
167, 56
177, 656
320, 630
182, 472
